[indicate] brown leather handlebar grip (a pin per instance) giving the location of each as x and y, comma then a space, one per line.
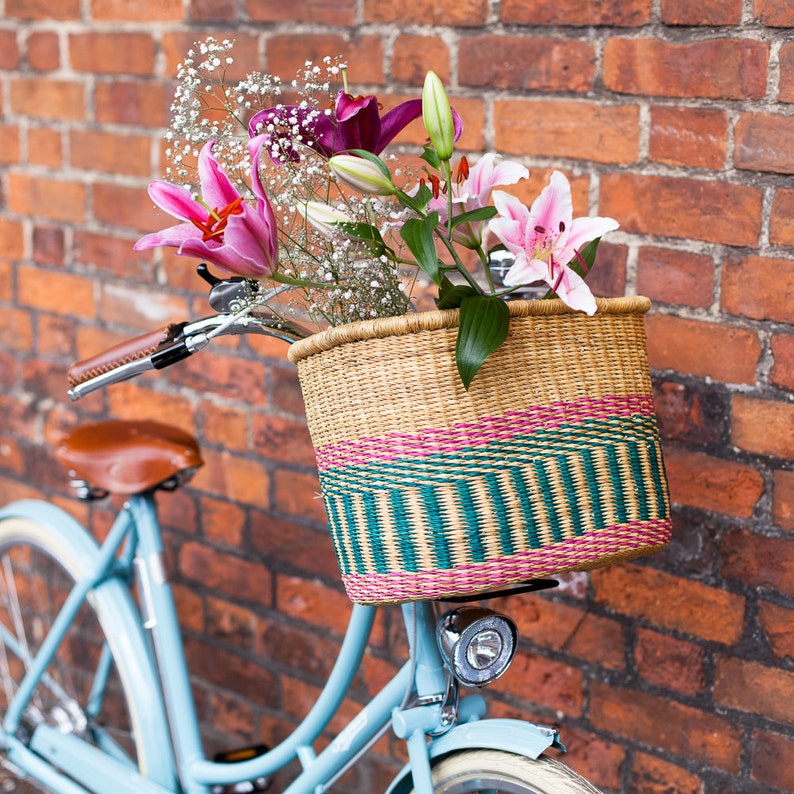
123, 353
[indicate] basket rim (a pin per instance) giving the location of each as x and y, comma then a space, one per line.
405, 324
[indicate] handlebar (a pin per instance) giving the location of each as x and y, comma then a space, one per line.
241, 311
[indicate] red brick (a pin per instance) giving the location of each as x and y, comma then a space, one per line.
671, 602
242, 480
718, 212
572, 12
112, 254
707, 12
127, 208
283, 439
286, 55
773, 760
454, 13
231, 672
224, 425
558, 627
60, 293
763, 426
45, 147
213, 10
546, 683
46, 197
716, 69
669, 662
331, 12
139, 11
774, 13
6, 284
12, 239
129, 102
723, 486
222, 522
783, 499
786, 83
245, 54
49, 247
652, 775
670, 726
608, 276
688, 136
762, 142
781, 226
145, 308
232, 624
778, 626
112, 53
47, 98
43, 9
232, 575
54, 336
16, 329
9, 143
298, 494
580, 130
528, 63
228, 377
722, 352
755, 688
314, 603
415, 55
136, 400
9, 50
782, 373
759, 561
759, 287
672, 276
293, 544
44, 51
111, 152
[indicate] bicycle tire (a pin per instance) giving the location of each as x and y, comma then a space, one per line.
39, 562
470, 771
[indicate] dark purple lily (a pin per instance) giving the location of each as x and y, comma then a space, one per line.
355, 123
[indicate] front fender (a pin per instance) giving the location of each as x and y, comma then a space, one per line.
512, 736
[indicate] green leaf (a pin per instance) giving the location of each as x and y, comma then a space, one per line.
451, 295
584, 258
366, 233
430, 156
419, 236
473, 216
484, 324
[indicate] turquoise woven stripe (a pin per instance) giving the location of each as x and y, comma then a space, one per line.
548, 487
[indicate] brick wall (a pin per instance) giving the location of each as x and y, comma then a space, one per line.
674, 674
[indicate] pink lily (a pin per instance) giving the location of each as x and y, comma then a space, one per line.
220, 227
472, 191
356, 123
545, 238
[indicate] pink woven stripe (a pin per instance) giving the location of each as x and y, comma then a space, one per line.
486, 430
572, 554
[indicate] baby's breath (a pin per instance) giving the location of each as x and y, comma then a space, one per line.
208, 107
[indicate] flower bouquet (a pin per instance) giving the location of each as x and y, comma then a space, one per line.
479, 445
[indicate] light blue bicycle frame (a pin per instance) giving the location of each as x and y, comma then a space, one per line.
180, 764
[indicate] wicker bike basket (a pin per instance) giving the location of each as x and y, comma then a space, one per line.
549, 463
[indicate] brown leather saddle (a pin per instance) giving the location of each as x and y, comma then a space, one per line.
127, 457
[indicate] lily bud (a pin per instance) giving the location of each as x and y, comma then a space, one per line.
361, 174
437, 116
322, 217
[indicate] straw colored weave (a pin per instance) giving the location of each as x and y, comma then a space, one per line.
550, 462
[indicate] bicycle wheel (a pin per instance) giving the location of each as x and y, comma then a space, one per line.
495, 771
86, 689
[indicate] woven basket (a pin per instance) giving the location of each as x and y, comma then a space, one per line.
549, 463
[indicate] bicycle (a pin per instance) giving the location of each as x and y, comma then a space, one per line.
95, 683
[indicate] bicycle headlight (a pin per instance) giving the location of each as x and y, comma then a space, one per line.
477, 644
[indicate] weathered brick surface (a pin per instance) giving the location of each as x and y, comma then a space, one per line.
669, 676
